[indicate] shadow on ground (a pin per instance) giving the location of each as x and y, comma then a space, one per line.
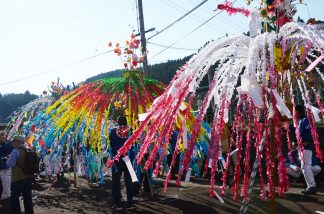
191, 198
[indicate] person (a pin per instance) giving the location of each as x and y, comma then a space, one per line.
5, 172
144, 178
21, 183
293, 168
117, 138
172, 146
308, 155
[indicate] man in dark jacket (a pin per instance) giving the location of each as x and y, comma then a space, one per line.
21, 183
117, 138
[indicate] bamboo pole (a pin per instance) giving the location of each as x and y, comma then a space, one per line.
273, 159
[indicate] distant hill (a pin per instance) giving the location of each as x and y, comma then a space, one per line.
163, 72
11, 102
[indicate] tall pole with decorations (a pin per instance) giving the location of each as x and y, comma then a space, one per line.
268, 72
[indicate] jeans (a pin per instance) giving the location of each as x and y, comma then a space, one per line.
5, 176
118, 168
306, 166
23, 187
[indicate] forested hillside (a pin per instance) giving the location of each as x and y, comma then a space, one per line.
11, 102
163, 72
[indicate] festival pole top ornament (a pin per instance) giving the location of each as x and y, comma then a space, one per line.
84, 117
264, 75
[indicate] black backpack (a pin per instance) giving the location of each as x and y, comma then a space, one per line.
32, 160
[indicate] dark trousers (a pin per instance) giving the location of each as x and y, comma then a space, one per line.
118, 168
23, 187
143, 178
175, 168
146, 183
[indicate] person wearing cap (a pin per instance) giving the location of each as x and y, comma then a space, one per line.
20, 182
5, 172
117, 138
305, 134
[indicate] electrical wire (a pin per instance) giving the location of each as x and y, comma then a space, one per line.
207, 10
194, 16
50, 71
205, 22
106, 26
179, 19
214, 26
186, 35
175, 48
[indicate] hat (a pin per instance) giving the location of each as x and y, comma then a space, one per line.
19, 138
2, 133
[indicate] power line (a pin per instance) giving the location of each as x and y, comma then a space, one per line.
177, 20
65, 66
106, 26
198, 18
207, 9
205, 22
176, 48
195, 17
187, 34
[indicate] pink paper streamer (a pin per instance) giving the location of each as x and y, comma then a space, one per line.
313, 64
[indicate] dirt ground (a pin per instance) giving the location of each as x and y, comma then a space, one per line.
191, 197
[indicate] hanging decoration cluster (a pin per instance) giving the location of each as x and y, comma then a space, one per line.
25, 113
80, 121
264, 76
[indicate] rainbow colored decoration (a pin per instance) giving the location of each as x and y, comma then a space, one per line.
82, 119
27, 112
89, 109
265, 75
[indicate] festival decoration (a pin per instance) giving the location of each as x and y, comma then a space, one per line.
228, 7
27, 112
82, 119
265, 75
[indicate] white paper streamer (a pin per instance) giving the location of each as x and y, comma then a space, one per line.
188, 174
130, 168
281, 106
250, 86
219, 198
142, 117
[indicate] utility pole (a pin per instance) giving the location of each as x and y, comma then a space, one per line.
143, 39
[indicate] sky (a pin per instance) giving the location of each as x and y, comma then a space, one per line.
43, 40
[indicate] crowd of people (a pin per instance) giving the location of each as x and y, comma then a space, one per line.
18, 165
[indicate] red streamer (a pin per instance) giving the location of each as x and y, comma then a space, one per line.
228, 7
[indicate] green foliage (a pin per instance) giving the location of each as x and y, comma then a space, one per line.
11, 102
115, 73
163, 72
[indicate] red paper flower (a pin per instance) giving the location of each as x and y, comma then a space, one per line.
311, 21
228, 7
